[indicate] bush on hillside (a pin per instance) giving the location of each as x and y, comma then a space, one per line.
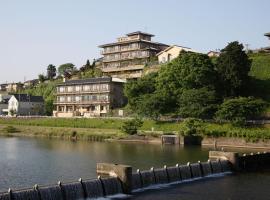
238, 110
192, 127
131, 126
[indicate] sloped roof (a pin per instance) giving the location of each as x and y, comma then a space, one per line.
267, 34
172, 46
28, 98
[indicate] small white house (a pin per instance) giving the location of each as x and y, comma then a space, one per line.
24, 104
171, 53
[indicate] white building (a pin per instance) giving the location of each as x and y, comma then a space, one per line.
23, 104
171, 53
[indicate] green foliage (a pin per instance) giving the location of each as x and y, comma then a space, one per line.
131, 126
233, 66
91, 73
188, 71
260, 68
198, 103
47, 90
41, 78
66, 68
240, 109
192, 127
134, 90
51, 71
10, 129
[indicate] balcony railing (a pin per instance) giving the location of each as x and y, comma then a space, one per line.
125, 58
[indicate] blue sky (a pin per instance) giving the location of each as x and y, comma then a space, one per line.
34, 34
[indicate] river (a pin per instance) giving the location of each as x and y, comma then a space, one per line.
28, 161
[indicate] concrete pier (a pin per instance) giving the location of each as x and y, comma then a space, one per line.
122, 172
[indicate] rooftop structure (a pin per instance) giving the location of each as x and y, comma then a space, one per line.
89, 97
171, 53
267, 49
127, 57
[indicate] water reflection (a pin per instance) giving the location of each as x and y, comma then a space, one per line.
27, 161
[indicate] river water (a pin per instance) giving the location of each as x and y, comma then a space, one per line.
28, 161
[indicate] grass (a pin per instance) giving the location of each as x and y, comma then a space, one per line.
62, 132
93, 123
252, 134
91, 129
260, 68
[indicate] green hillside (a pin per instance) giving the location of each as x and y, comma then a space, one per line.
260, 73
260, 66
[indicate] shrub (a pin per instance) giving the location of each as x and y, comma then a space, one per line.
131, 126
10, 129
238, 110
192, 127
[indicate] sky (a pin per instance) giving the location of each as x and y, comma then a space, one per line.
34, 34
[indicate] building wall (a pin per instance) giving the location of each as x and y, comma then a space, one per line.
174, 52
25, 108
87, 100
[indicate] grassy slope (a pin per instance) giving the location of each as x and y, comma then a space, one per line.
88, 123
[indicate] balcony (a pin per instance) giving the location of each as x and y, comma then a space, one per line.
130, 57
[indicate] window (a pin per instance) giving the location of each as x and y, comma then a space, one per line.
77, 98
77, 88
69, 98
62, 89
86, 88
70, 89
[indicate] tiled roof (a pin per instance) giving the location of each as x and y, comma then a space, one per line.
85, 81
28, 98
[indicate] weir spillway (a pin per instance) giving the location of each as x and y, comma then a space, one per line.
120, 179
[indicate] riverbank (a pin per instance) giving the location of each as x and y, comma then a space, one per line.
100, 129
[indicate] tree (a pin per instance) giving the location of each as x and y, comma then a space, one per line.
233, 67
131, 126
188, 71
66, 68
150, 105
51, 71
134, 90
198, 103
238, 110
41, 78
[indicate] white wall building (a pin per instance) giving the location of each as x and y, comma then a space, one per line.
171, 53
23, 104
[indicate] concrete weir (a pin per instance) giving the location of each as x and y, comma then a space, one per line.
115, 179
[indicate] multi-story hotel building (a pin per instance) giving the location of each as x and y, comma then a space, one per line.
127, 57
88, 97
